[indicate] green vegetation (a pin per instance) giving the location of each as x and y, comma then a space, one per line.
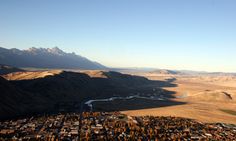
229, 111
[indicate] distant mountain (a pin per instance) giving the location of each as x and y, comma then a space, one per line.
5, 69
189, 72
166, 72
46, 58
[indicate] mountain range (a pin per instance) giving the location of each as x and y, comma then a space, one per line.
46, 58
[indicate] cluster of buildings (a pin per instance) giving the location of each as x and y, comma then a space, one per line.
112, 126
48, 127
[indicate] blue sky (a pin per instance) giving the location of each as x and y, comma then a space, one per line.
183, 34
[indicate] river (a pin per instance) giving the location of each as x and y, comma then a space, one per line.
90, 102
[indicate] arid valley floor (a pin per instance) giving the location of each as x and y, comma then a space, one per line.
208, 98
108, 105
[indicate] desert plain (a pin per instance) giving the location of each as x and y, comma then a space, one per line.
207, 98
203, 97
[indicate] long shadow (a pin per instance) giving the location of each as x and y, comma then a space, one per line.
133, 104
65, 92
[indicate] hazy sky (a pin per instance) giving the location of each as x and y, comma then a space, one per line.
177, 34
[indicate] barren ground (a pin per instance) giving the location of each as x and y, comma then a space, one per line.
209, 98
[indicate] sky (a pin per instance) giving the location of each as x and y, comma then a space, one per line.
169, 34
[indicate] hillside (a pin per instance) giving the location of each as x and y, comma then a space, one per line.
55, 91
28, 75
5, 69
14, 102
46, 58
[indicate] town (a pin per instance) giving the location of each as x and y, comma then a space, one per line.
112, 126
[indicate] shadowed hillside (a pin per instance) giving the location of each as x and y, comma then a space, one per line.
16, 102
65, 92
5, 69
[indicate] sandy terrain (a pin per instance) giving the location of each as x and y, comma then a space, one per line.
207, 97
